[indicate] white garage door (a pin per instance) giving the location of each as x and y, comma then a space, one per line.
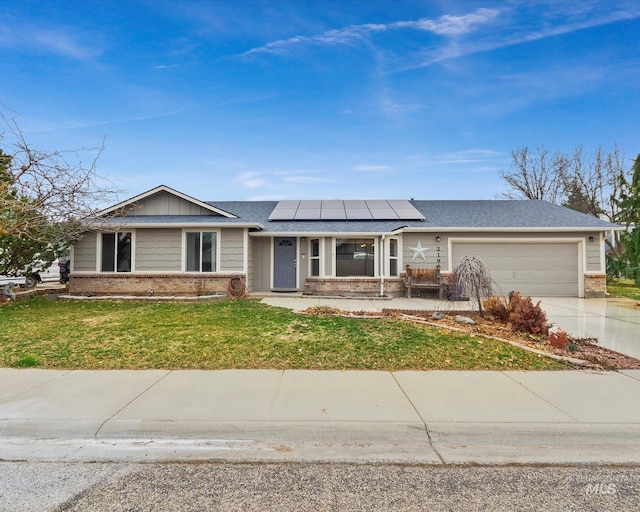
535, 269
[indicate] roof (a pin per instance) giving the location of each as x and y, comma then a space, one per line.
438, 215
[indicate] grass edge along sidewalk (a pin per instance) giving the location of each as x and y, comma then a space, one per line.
236, 334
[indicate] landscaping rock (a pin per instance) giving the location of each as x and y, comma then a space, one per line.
437, 316
464, 320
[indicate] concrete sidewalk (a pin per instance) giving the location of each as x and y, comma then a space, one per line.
299, 415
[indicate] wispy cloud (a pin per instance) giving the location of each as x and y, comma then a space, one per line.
566, 21
256, 183
448, 25
465, 34
59, 40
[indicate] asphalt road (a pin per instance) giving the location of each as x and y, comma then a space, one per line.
57, 486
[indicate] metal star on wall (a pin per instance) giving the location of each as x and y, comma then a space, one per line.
419, 250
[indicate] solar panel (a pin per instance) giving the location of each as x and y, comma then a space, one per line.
354, 209
333, 214
359, 214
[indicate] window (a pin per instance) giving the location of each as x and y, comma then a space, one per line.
393, 257
355, 257
116, 252
315, 256
201, 251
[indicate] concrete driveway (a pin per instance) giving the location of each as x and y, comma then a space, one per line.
614, 322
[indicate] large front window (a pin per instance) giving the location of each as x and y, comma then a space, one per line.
201, 251
355, 257
116, 252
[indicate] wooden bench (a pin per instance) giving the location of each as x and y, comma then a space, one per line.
423, 279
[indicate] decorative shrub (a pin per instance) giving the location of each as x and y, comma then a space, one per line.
525, 317
497, 307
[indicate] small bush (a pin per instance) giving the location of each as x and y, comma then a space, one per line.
525, 317
497, 307
26, 361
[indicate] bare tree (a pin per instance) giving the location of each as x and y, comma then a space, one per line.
43, 198
472, 277
44, 195
536, 175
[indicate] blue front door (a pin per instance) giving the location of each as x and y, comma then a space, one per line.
284, 263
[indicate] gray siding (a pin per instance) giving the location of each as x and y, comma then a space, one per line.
250, 265
164, 203
262, 263
158, 250
232, 250
328, 255
434, 250
593, 253
304, 262
84, 253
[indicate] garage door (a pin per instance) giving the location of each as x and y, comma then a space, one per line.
536, 269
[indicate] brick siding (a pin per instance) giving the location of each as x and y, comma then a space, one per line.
595, 286
140, 284
354, 286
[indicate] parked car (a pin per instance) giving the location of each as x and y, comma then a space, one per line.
52, 273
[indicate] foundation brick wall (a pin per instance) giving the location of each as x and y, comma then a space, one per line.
595, 286
170, 284
356, 286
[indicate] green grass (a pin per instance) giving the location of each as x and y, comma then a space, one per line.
623, 288
235, 334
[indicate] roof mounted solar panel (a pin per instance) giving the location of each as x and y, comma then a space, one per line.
337, 209
359, 214
333, 214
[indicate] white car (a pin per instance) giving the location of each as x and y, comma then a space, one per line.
50, 274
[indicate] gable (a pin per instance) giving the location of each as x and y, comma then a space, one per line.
164, 203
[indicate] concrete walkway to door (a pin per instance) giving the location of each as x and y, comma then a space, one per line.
614, 322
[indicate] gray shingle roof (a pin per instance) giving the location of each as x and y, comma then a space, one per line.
499, 214
439, 215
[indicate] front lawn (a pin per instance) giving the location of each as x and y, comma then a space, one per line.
238, 334
623, 288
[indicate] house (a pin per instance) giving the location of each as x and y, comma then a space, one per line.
163, 242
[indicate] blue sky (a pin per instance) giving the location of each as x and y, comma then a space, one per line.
321, 99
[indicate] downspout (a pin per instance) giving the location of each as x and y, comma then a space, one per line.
382, 265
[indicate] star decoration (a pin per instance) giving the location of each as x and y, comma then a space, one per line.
418, 250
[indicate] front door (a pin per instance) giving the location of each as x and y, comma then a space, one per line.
284, 263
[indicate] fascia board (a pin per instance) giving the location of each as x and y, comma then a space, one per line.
509, 229
176, 225
318, 234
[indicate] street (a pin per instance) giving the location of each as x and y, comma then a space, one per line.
59, 486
